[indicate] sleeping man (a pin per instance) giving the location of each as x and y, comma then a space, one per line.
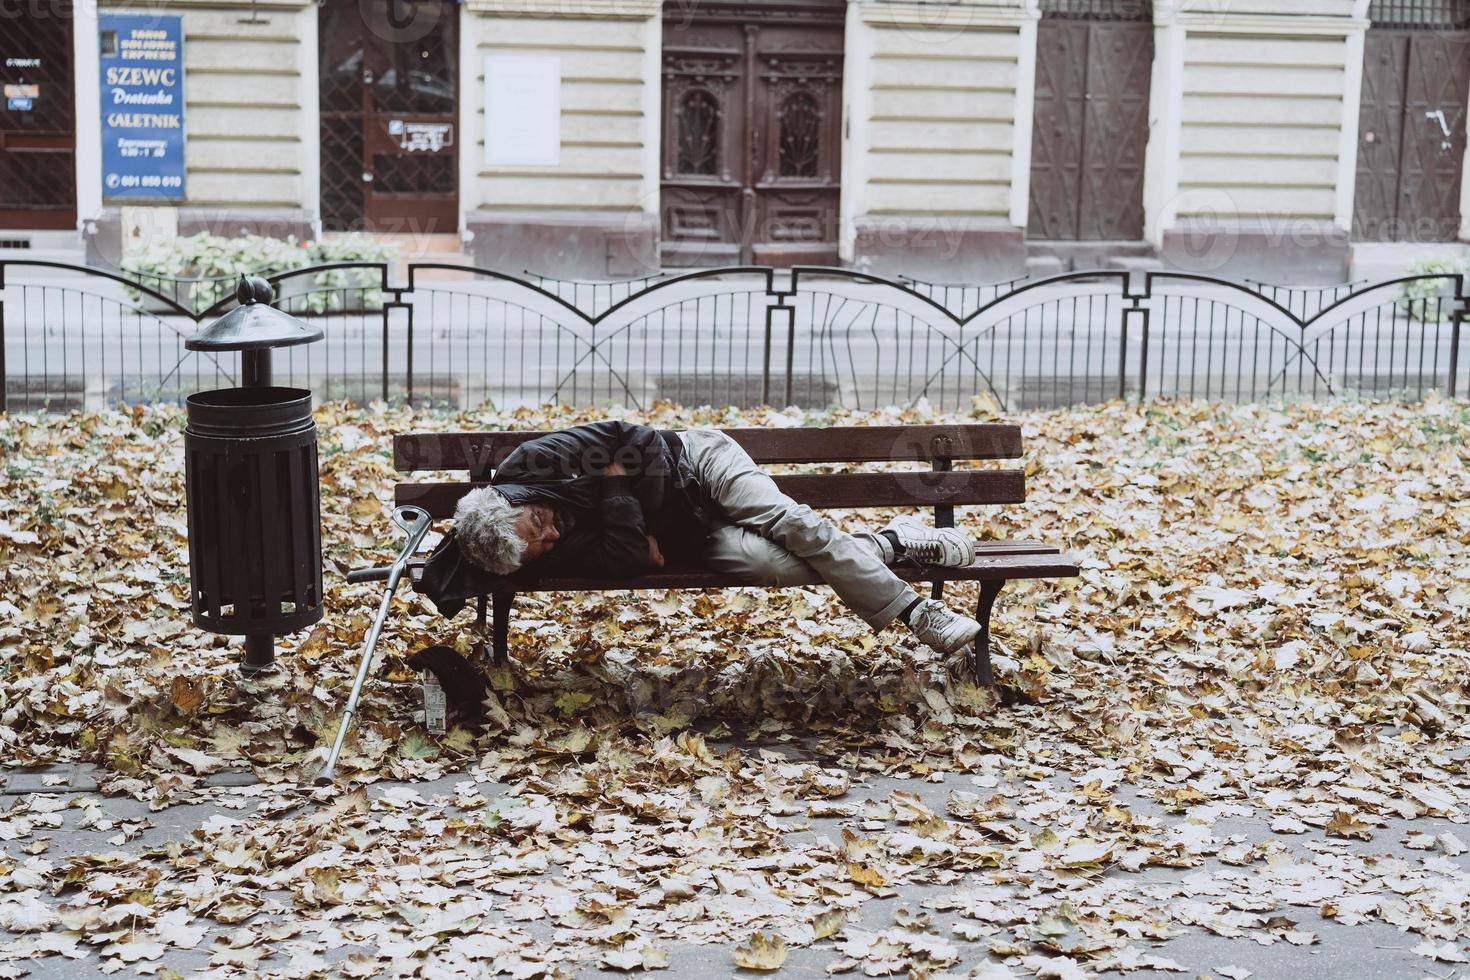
613, 500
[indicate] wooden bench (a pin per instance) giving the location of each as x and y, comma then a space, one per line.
941, 487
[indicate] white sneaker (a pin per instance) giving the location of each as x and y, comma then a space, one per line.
941, 628
933, 545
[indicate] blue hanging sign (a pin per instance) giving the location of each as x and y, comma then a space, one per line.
142, 76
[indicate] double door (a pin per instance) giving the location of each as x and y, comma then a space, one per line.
1094, 65
37, 117
389, 132
1411, 135
752, 134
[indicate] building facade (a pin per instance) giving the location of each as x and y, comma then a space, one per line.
963, 141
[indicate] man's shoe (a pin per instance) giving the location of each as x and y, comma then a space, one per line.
943, 629
932, 545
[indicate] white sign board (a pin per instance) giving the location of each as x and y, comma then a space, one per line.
523, 110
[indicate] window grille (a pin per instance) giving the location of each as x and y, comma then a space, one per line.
1125, 10
1421, 14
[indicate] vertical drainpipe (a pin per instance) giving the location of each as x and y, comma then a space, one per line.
1352, 97
653, 100
471, 117
308, 89
1166, 112
87, 103
1025, 115
857, 77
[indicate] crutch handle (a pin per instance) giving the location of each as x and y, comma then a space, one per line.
370, 574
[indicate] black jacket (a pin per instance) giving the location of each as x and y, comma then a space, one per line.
609, 518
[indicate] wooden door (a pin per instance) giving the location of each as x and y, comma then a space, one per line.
37, 117
1411, 135
751, 147
1090, 126
389, 128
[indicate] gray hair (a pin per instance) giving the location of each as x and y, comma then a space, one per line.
485, 526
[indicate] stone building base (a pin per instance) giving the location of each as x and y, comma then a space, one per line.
1284, 251
939, 248
569, 245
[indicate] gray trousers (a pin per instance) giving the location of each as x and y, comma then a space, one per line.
767, 538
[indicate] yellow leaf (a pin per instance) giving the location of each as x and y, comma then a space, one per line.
865, 874
186, 695
829, 923
761, 953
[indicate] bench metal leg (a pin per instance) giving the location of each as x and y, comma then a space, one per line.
943, 517
478, 648
502, 604
980, 658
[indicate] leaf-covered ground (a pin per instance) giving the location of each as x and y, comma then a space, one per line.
1273, 622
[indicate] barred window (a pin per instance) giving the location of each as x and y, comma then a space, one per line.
1126, 10
1422, 14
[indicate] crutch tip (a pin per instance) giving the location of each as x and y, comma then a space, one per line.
324, 778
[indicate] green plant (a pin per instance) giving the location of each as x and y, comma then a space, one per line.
333, 284
1417, 296
210, 264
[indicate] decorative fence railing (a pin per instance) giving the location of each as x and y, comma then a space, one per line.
455, 336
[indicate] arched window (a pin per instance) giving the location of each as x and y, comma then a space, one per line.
801, 122
698, 120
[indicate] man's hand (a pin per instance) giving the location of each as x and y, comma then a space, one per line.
614, 469
655, 556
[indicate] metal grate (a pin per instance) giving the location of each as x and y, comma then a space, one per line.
37, 179
1140, 11
1421, 14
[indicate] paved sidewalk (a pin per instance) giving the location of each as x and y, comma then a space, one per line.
1335, 951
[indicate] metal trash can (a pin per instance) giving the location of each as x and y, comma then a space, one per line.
250, 466
255, 545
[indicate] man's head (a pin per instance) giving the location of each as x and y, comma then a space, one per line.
500, 537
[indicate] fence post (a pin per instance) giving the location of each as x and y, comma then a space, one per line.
766, 358
781, 295
408, 366
1136, 308
1455, 331
4, 378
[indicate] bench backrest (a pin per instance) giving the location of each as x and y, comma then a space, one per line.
940, 446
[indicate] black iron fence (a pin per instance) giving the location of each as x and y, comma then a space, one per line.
453, 336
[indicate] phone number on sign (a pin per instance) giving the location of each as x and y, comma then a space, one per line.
148, 180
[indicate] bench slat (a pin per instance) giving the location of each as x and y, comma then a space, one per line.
422, 451
911, 489
987, 569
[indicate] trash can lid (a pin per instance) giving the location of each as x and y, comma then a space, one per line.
254, 324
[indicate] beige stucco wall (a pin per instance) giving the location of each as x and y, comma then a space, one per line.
1261, 121
609, 118
932, 105
1254, 112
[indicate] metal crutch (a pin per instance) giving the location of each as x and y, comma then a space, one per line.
414, 521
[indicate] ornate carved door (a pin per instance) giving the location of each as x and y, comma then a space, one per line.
752, 133
1093, 68
389, 89
37, 117
1411, 126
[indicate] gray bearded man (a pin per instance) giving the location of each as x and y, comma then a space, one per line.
613, 500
